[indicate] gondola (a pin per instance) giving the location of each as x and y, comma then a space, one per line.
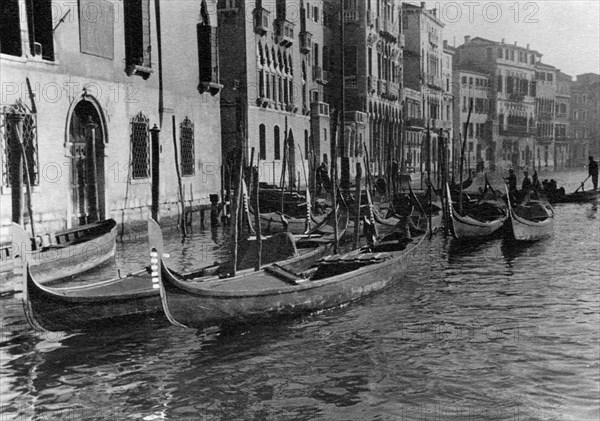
479, 222
119, 300
577, 197
64, 253
275, 222
297, 286
531, 220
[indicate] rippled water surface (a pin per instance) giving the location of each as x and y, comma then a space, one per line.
490, 331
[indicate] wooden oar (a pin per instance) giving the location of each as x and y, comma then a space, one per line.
581, 186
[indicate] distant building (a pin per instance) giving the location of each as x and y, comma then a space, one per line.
473, 87
424, 72
372, 80
562, 140
101, 78
585, 119
413, 131
271, 58
511, 69
544, 156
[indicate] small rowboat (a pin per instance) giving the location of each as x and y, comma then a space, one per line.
64, 253
469, 227
532, 220
300, 285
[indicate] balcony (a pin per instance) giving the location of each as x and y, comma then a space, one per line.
415, 123
351, 16
381, 88
434, 82
305, 42
371, 84
319, 109
357, 117
318, 75
284, 32
388, 29
261, 20
434, 39
350, 82
370, 18
393, 90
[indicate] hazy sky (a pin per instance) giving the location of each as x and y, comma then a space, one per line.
567, 33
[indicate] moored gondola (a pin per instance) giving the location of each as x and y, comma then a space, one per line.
531, 220
64, 253
479, 222
300, 285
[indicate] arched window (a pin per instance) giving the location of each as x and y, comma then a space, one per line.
262, 146
276, 143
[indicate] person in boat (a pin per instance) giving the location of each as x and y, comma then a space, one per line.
527, 183
511, 180
322, 177
593, 171
537, 186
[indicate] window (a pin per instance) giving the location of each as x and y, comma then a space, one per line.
137, 37
306, 144
188, 156
30, 142
140, 147
500, 54
350, 56
464, 80
489, 53
262, 142
39, 21
208, 58
506, 54
276, 143
512, 55
316, 14
500, 88
10, 28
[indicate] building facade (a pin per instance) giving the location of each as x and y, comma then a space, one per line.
372, 82
544, 154
426, 71
511, 69
473, 87
562, 121
87, 83
271, 54
585, 119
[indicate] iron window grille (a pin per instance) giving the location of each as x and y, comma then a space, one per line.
30, 140
188, 155
140, 147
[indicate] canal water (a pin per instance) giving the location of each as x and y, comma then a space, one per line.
488, 331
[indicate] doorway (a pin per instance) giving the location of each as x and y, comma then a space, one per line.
87, 139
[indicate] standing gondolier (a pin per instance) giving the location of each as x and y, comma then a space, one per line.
593, 171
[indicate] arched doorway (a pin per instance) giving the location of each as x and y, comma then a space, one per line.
86, 140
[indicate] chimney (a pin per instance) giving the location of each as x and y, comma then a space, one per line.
445, 43
467, 39
502, 40
434, 12
422, 5
515, 42
528, 46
